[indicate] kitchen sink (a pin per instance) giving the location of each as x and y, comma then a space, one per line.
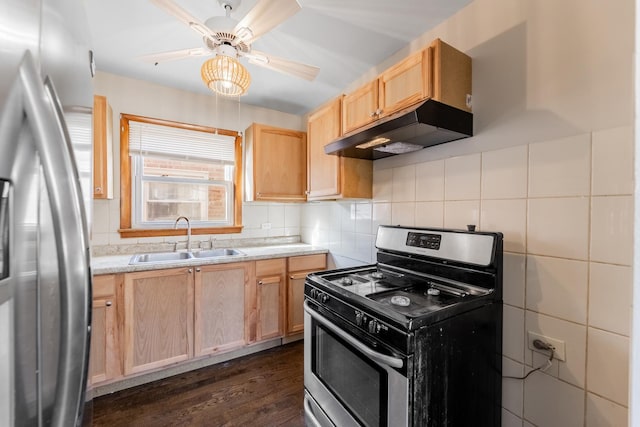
160, 257
215, 253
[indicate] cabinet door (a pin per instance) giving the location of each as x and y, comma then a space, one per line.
324, 169
360, 107
299, 267
295, 299
221, 293
405, 83
158, 318
334, 177
104, 360
279, 163
102, 148
270, 297
451, 75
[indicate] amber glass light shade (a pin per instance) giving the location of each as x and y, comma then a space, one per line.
225, 75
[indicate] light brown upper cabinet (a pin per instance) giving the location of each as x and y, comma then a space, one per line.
439, 72
275, 162
102, 148
333, 177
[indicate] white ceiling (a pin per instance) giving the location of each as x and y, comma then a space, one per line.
345, 38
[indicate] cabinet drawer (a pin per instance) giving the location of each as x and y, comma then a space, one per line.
104, 286
270, 267
308, 262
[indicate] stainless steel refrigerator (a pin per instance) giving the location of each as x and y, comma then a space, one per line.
45, 282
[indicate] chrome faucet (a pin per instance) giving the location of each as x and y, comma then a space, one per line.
175, 225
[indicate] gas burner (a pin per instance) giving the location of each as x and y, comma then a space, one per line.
400, 300
346, 281
377, 275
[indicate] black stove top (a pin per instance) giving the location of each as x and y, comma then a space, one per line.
406, 294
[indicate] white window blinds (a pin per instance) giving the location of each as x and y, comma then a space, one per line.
151, 139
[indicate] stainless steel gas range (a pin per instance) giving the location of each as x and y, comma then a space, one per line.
413, 340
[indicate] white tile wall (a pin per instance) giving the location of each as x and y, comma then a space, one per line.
430, 181
504, 173
608, 365
559, 227
610, 297
604, 413
510, 217
612, 161
462, 178
459, 214
552, 403
429, 214
513, 288
558, 287
560, 168
404, 184
612, 229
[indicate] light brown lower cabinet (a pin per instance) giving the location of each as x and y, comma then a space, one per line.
270, 298
104, 360
221, 298
158, 318
151, 319
299, 268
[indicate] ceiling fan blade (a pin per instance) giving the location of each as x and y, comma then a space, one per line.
185, 17
264, 16
298, 69
157, 58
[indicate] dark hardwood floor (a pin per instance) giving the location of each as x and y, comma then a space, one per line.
262, 389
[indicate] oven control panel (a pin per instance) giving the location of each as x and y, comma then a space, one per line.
424, 240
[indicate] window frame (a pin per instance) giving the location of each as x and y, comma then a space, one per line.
126, 230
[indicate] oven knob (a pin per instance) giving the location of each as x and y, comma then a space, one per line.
433, 291
313, 293
359, 318
324, 298
374, 326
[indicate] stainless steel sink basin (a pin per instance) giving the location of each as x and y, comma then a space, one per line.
160, 257
216, 253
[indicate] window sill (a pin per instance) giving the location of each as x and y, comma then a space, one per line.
159, 232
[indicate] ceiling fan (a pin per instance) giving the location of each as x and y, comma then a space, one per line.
229, 39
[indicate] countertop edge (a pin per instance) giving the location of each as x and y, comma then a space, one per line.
120, 263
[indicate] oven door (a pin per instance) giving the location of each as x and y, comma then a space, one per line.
349, 383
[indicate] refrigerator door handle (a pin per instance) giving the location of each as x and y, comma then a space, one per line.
42, 107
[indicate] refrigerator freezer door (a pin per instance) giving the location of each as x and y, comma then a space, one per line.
49, 278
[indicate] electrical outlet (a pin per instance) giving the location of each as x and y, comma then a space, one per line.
266, 226
558, 346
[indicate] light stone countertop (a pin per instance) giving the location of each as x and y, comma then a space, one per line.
120, 263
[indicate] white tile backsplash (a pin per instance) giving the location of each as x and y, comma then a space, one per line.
383, 185
608, 365
574, 335
403, 214
504, 173
552, 403
430, 181
561, 167
459, 214
513, 288
429, 214
404, 184
559, 227
610, 297
462, 178
512, 389
513, 339
558, 287
509, 217
604, 413
612, 161
612, 229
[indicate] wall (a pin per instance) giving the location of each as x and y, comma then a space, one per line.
131, 96
550, 165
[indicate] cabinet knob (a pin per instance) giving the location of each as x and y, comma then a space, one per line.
372, 114
198, 270
108, 303
98, 190
190, 270
260, 282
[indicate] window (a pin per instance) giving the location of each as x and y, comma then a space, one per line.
171, 169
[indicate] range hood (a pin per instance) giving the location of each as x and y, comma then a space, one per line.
423, 125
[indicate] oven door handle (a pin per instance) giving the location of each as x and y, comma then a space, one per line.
394, 362
309, 413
